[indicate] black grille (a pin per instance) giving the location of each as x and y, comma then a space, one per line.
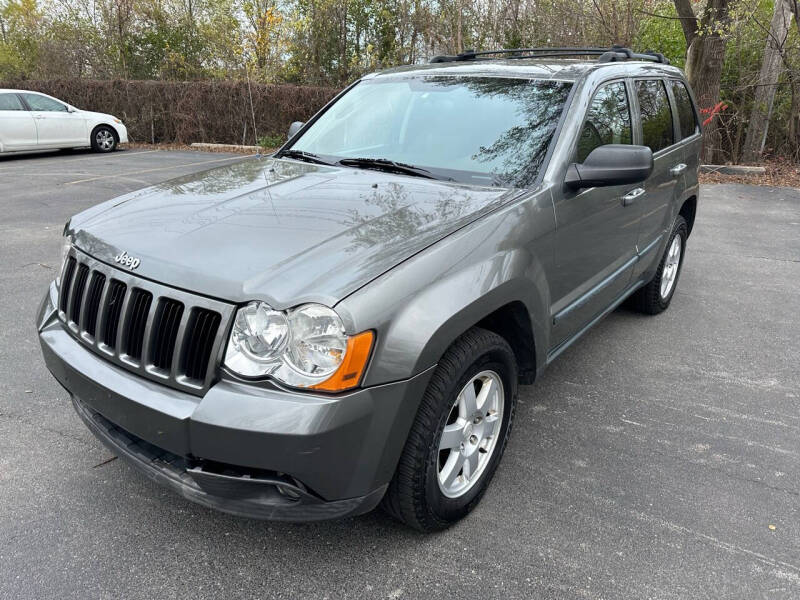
66, 283
113, 308
93, 297
166, 322
162, 333
77, 293
200, 333
139, 310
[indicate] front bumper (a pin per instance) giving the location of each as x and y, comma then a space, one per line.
122, 132
248, 450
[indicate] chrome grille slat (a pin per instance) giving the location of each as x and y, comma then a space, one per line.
79, 294
66, 283
162, 333
115, 310
162, 339
94, 294
200, 333
71, 294
136, 324
175, 369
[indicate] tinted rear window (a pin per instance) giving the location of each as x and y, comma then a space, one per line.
10, 102
686, 116
656, 114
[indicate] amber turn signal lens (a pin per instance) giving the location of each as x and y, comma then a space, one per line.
349, 373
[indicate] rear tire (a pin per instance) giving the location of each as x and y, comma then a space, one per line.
104, 139
655, 297
439, 479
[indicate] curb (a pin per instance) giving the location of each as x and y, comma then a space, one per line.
732, 169
238, 147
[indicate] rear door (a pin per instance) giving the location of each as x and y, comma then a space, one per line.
688, 130
657, 130
56, 127
596, 231
17, 127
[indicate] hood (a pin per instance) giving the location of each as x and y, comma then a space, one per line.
95, 115
281, 231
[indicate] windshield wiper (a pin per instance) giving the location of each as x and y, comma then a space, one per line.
384, 164
304, 156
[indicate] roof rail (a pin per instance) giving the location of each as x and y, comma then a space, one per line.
613, 54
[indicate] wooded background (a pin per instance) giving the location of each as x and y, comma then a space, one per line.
184, 70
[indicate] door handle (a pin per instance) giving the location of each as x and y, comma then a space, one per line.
677, 169
631, 196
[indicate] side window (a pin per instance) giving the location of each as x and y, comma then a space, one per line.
10, 102
686, 115
656, 114
608, 120
43, 103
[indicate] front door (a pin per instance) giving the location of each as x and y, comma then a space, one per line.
56, 127
17, 127
596, 230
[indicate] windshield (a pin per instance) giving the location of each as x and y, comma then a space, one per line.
477, 130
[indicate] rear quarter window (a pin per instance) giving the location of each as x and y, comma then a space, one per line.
687, 119
657, 132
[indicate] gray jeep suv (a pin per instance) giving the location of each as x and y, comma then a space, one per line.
345, 323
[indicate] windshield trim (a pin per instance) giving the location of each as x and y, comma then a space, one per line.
372, 77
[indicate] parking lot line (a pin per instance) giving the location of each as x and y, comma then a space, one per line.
61, 159
129, 173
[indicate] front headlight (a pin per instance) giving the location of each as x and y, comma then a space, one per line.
303, 347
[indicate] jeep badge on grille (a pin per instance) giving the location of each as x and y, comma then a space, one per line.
126, 260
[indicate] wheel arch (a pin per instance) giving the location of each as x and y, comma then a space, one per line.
512, 322
417, 338
688, 211
103, 124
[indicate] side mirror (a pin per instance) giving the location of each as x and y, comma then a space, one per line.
294, 128
71, 109
612, 164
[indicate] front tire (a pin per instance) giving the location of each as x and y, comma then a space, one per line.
459, 434
104, 139
656, 296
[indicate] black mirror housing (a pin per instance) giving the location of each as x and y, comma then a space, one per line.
294, 128
611, 164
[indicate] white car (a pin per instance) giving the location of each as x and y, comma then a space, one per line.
35, 121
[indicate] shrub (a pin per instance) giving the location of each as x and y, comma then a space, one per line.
216, 111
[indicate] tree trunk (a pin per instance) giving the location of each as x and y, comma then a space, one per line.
705, 52
771, 70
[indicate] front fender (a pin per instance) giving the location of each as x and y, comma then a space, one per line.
421, 306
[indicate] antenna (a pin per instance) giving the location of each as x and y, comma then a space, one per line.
252, 108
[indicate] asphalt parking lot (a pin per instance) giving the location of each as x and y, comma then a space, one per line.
650, 461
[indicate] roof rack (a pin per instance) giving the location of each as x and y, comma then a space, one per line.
613, 54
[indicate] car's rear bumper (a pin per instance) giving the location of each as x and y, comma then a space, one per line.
244, 449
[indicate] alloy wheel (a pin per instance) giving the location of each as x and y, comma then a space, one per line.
671, 265
471, 433
105, 139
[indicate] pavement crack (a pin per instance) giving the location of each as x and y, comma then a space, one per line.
21, 419
756, 257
